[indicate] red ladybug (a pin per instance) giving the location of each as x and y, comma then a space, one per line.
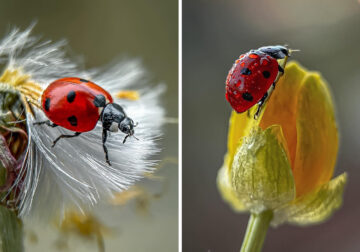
77, 105
253, 74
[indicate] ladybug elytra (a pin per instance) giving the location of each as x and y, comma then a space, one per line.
77, 105
253, 76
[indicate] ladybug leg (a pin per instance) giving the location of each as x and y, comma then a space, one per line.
281, 69
65, 136
261, 103
104, 137
47, 122
263, 99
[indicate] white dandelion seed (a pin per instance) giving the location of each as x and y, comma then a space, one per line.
74, 172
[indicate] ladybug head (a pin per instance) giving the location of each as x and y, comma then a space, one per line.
277, 52
127, 126
114, 117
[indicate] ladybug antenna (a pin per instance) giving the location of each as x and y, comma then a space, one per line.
128, 136
293, 50
136, 124
136, 137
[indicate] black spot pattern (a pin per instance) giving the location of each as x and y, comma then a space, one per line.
100, 101
245, 71
72, 120
247, 96
71, 96
266, 74
47, 104
83, 80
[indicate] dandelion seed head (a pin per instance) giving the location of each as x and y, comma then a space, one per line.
74, 172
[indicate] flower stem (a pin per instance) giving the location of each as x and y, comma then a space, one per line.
10, 231
256, 231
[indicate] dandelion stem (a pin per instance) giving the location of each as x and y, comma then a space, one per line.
10, 231
256, 231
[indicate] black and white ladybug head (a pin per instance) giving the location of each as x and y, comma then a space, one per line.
114, 118
277, 52
127, 126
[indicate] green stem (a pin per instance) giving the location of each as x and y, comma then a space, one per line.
256, 231
10, 231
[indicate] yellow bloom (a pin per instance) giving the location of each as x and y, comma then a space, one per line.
84, 225
284, 161
128, 94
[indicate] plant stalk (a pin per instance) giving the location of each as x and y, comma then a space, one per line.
256, 231
11, 231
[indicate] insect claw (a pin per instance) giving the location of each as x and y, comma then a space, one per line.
256, 115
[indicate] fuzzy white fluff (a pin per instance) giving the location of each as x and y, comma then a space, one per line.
74, 172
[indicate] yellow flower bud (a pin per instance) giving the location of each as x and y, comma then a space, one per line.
261, 172
284, 161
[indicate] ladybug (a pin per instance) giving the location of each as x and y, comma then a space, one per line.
253, 76
77, 105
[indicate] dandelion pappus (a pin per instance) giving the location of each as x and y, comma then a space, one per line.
253, 76
77, 105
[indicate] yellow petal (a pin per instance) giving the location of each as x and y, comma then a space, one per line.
314, 207
261, 172
317, 136
281, 107
226, 190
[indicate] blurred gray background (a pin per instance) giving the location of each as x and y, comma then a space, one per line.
215, 33
100, 32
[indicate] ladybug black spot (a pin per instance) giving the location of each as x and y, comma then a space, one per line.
100, 101
247, 96
245, 71
47, 104
71, 96
83, 80
72, 120
266, 74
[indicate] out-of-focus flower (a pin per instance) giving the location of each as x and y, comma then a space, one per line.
83, 225
141, 195
128, 94
284, 161
74, 172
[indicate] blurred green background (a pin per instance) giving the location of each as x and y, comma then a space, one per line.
100, 32
215, 33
